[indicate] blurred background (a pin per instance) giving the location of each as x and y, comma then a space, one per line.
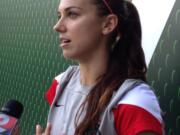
30, 57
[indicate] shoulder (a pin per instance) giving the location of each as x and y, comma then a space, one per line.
138, 111
51, 92
143, 96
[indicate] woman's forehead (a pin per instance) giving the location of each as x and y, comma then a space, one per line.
74, 3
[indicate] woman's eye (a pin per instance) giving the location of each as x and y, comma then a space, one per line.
72, 15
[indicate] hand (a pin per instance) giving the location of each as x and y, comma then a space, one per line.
47, 130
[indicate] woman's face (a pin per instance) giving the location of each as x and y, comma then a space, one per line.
80, 28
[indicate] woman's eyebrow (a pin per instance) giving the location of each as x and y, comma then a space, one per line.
69, 8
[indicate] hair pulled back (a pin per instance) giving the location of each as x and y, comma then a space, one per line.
126, 61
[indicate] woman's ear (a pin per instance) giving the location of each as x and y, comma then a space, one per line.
109, 24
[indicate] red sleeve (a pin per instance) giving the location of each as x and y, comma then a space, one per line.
132, 120
50, 94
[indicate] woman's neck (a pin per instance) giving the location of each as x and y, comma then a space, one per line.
91, 70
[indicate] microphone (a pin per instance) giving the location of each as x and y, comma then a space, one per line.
9, 117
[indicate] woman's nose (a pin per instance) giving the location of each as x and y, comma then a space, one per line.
59, 26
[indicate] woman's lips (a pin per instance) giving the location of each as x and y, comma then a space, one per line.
64, 42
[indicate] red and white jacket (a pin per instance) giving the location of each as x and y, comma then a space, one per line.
138, 111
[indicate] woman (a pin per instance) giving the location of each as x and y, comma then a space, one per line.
107, 93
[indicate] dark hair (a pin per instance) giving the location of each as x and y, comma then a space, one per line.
126, 61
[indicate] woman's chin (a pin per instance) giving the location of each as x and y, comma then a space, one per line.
68, 55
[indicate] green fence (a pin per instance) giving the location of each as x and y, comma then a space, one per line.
164, 71
30, 58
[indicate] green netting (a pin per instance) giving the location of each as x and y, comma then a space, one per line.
29, 56
164, 72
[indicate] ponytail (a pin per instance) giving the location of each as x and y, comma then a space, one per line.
126, 61
128, 49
